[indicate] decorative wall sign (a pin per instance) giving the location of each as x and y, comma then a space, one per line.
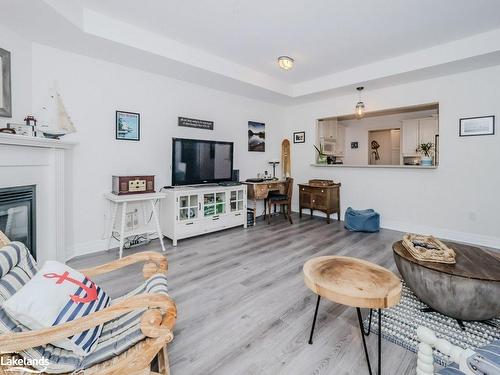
22, 129
5, 84
195, 123
354, 144
299, 137
256, 136
128, 126
483, 125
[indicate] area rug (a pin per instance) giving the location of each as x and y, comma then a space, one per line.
399, 325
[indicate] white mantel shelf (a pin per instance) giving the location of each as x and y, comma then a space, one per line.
21, 140
375, 166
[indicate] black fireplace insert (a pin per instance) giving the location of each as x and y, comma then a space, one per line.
18, 216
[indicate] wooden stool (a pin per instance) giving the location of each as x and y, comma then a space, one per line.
356, 283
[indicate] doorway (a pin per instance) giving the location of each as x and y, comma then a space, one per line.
384, 147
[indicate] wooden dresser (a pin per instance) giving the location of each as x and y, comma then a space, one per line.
321, 198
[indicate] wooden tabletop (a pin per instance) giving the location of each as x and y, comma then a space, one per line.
471, 262
352, 282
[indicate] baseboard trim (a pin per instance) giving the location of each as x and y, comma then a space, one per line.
85, 248
447, 234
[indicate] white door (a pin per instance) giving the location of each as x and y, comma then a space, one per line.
409, 138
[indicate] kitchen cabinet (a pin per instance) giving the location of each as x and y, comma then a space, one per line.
332, 137
417, 131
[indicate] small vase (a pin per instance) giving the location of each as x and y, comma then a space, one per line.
426, 161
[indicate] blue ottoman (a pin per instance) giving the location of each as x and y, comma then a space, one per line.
362, 220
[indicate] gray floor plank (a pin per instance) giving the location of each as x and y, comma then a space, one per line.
244, 309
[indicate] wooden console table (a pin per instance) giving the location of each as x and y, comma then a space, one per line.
322, 198
260, 190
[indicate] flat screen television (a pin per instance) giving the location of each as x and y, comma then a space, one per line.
197, 161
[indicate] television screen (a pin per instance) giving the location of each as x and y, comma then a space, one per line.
198, 161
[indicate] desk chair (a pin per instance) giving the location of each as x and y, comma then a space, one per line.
283, 200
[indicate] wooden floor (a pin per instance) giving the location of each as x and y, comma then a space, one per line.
243, 307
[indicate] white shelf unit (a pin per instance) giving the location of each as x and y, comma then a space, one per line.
190, 211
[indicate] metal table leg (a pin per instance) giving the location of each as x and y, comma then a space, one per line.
314, 320
364, 333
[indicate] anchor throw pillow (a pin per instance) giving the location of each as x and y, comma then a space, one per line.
55, 295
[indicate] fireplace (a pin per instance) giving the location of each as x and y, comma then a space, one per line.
17, 215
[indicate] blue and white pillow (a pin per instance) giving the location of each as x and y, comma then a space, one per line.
55, 295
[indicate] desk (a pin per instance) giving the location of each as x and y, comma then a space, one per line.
123, 200
260, 190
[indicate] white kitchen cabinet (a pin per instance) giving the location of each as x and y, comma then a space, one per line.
428, 128
332, 137
415, 132
409, 138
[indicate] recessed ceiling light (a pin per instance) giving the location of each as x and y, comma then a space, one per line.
285, 62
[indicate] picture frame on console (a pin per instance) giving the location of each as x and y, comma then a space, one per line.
128, 126
5, 84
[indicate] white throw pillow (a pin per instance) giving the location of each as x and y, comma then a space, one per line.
55, 295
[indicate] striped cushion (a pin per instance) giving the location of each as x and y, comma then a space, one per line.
116, 337
486, 360
450, 371
124, 332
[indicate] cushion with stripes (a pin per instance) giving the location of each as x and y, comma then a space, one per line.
57, 294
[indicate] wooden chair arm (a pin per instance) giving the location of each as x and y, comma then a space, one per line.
155, 263
15, 342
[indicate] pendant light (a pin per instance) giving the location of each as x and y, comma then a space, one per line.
360, 106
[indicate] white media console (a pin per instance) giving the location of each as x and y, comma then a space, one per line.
190, 211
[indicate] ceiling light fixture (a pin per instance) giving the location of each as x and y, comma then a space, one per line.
360, 106
285, 62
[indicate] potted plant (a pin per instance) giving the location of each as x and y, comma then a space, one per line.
426, 150
321, 155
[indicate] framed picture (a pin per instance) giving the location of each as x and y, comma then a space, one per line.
128, 126
5, 85
299, 137
471, 126
256, 136
23, 129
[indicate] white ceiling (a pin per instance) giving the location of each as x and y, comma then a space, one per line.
232, 45
323, 36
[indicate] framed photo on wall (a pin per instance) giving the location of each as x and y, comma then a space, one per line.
128, 126
472, 126
5, 84
299, 137
256, 136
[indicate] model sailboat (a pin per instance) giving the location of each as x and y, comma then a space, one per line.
59, 121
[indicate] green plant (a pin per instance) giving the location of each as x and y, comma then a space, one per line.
320, 150
426, 148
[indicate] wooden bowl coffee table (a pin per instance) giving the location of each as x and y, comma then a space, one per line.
353, 282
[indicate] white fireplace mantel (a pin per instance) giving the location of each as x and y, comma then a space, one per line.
19, 140
46, 163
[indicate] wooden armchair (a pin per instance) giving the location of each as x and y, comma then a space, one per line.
156, 323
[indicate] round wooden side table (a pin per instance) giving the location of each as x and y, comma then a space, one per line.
353, 282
